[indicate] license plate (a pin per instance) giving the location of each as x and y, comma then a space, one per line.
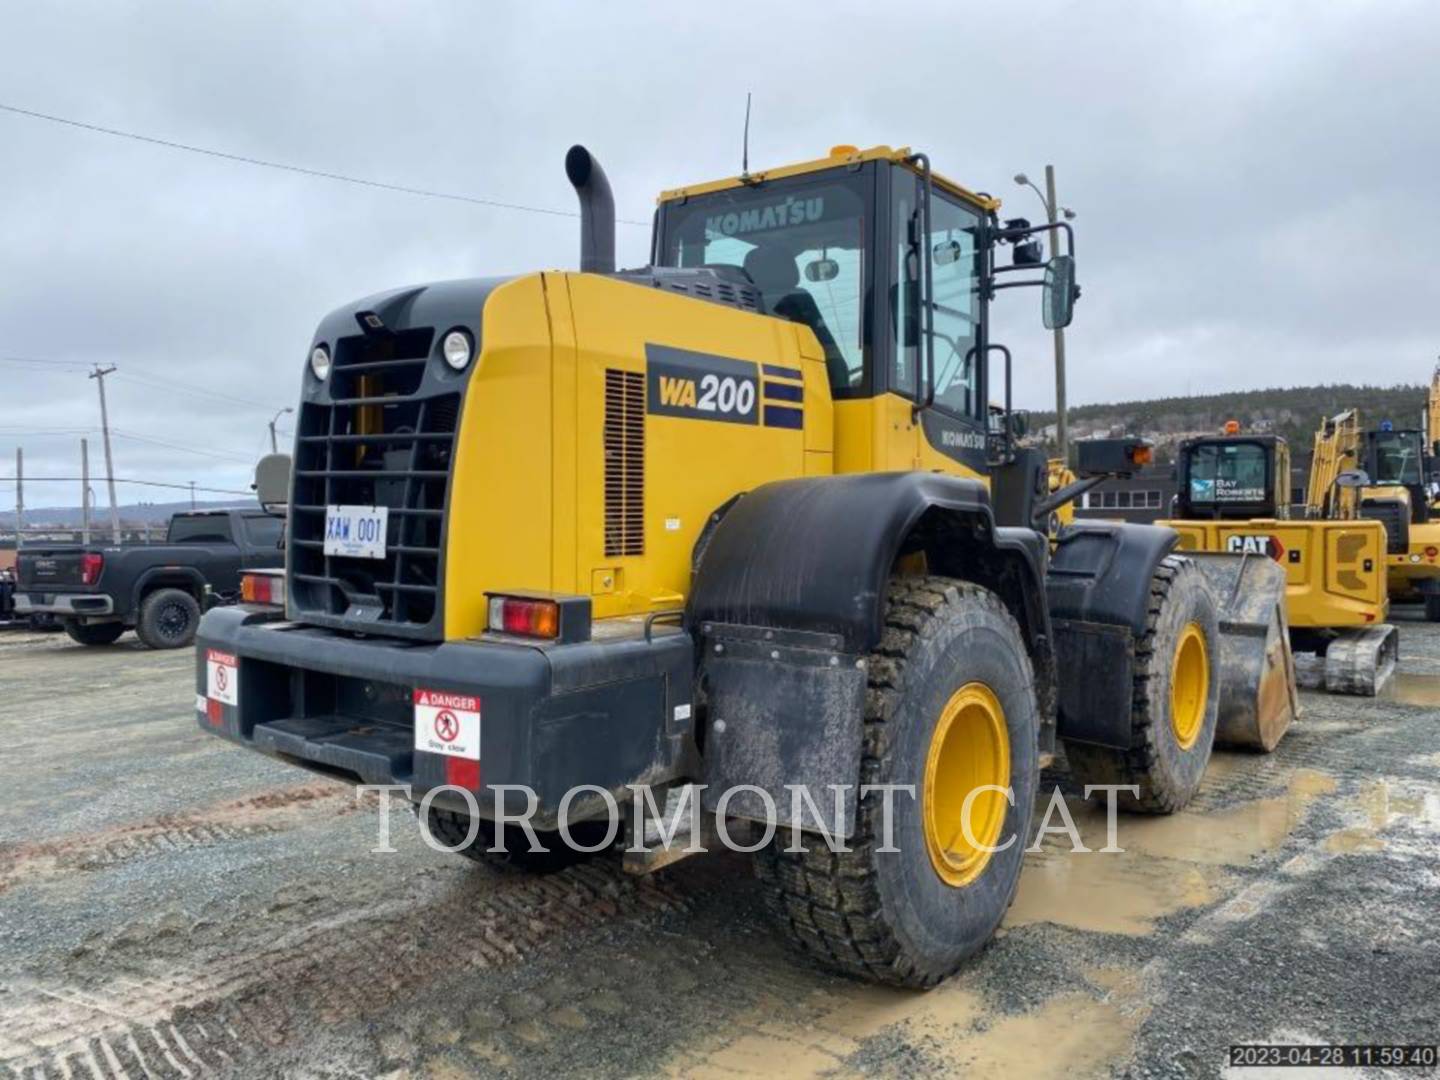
356, 531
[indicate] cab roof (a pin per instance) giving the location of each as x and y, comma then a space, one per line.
839, 155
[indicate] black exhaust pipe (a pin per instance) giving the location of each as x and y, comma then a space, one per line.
597, 211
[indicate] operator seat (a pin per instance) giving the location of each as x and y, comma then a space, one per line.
777, 277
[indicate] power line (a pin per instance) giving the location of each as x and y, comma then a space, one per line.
147, 378
302, 170
118, 480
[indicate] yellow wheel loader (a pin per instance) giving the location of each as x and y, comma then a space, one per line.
729, 527
1389, 475
1234, 497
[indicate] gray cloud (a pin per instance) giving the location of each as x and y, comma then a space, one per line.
1253, 180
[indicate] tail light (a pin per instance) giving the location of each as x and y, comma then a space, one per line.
531, 618
91, 564
260, 589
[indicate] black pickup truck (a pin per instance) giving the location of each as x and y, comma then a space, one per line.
99, 592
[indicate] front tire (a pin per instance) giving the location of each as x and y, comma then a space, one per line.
950, 706
94, 633
168, 619
1176, 700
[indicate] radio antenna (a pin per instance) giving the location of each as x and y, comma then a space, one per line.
745, 145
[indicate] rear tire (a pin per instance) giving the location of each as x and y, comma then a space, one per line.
911, 917
1173, 733
1432, 607
94, 633
168, 619
450, 828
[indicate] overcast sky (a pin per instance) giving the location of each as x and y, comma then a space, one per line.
1255, 183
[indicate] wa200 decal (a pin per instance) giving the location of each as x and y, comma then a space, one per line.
700, 386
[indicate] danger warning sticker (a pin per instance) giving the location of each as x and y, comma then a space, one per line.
447, 724
222, 677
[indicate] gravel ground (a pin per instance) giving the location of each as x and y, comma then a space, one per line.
171, 905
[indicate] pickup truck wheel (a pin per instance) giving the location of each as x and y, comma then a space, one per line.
1432, 607
168, 619
450, 829
94, 633
950, 715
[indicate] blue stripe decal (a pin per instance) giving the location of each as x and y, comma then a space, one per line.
782, 372
782, 416
779, 391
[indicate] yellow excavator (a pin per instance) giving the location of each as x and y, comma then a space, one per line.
1392, 479
732, 528
1234, 496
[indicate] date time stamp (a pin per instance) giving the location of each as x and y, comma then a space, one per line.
1337, 1056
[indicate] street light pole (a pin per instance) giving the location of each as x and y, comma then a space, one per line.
1053, 210
99, 376
273, 448
1062, 420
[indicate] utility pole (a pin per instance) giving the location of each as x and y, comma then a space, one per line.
99, 376
273, 448
192, 494
19, 498
1062, 421
85, 492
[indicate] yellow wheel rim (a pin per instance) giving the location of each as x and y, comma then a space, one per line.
970, 748
1189, 686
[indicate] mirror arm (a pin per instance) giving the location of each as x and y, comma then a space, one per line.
1030, 230
1069, 493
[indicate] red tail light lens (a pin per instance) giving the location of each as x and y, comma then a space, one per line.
532, 618
259, 589
91, 564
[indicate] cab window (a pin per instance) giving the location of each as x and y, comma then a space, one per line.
953, 250
1228, 473
201, 529
1397, 458
801, 243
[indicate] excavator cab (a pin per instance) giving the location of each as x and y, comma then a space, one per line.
1396, 460
1233, 476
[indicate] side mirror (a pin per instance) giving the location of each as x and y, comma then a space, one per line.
1057, 297
1352, 478
272, 480
1019, 424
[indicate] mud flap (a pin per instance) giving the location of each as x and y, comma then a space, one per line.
1258, 700
784, 709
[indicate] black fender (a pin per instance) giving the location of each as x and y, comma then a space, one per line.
162, 577
788, 598
816, 553
1098, 592
1100, 572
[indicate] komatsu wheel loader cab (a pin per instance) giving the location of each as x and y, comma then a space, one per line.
729, 526
1234, 498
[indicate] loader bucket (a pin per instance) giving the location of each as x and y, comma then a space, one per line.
1258, 700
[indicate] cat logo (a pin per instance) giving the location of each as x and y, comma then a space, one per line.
1256, 544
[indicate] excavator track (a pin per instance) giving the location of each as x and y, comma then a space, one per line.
1360, 662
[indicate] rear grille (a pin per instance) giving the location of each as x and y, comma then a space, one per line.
1395, 516
624, 463
377, 443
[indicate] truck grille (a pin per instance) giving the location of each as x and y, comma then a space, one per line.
624, 463
378, 442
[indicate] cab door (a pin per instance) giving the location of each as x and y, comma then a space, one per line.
950, 435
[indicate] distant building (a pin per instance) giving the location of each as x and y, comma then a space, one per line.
1140, 499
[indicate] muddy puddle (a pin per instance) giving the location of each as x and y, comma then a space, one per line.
1408, 688
1072, 1033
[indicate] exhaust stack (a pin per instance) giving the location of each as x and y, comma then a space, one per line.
597, 211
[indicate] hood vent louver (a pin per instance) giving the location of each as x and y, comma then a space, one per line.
624, 463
